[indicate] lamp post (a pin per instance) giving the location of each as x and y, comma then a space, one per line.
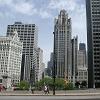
54, 66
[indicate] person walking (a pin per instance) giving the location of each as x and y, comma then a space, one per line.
45, 89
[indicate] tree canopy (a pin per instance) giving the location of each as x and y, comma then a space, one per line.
60, 84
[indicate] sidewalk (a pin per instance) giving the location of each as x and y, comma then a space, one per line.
87, 92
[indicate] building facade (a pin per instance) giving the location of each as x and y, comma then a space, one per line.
29, 36
74, 56
62, 44
40, 66
81, 64
50, 66
93, 42
82, 74
10, 59
81, 59
82, 48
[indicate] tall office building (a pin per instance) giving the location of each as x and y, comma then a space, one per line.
40, 68
81, 59
82, 46
10, 59
62, 44
93, 42
74, 43
82, 49
81, 64
29, 36
50, 65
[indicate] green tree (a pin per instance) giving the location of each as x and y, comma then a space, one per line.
59, 84
69, 86
46, 81
24, 85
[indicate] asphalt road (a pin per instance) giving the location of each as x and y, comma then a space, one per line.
49, 97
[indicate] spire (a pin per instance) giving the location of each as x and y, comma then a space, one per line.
63, 12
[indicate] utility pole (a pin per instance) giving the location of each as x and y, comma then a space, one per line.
54, 63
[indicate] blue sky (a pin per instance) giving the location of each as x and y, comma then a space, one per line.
42, 13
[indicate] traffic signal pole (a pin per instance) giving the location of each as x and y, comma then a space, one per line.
54, 66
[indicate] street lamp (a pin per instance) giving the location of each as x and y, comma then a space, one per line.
54, 63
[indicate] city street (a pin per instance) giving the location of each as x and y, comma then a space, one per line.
49, 97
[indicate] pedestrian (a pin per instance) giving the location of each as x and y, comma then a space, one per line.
45, 89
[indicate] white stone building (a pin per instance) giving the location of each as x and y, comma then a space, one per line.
82, 70
82, 74
10, 59
81, 59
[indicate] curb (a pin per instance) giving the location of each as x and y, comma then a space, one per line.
89, 94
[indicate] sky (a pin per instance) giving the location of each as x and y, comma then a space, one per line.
42, 13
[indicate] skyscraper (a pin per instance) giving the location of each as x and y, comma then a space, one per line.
40, 66
74, 43
81, 64
82, 46
93, 42
62, 44
50, 65
81, 59
29, 36
82, 54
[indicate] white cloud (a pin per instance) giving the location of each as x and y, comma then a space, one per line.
1, 15
25, 8
3, 2
45, 14
4, 15
61, 4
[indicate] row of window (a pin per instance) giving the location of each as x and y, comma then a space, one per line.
21, 25
82, 78
96, 16
20, 28
96, 13
96, 19
95, 6
95, 2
